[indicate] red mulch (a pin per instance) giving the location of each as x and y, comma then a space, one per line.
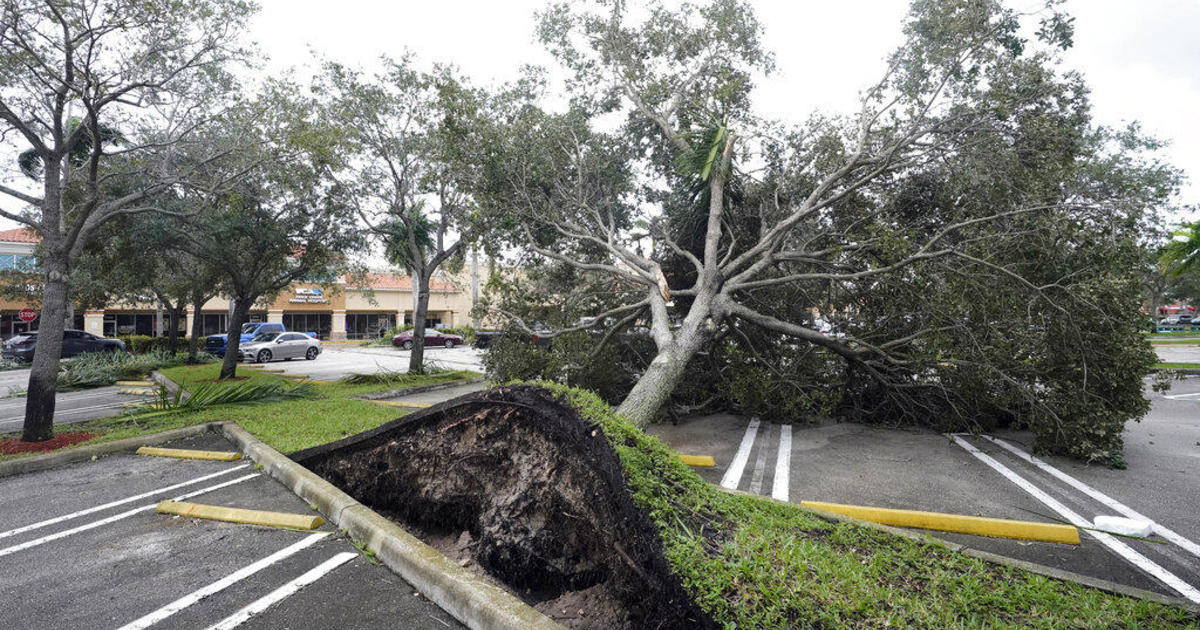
12, 446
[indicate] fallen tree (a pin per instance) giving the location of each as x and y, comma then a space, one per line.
598, 525
948, 234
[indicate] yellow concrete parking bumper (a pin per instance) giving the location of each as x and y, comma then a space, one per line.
183, 453
240, 515
976, 525
699, 461
397, 403
136, 384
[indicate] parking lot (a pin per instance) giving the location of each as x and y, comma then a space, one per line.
81, 547
924, 470
338, 361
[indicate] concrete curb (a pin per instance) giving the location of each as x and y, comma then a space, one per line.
1040, 569
85, 453
172, 386
475, 602
419, 389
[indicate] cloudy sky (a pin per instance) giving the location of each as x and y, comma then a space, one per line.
1141, 58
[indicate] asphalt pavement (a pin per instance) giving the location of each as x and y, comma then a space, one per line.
924, 470
1178, 353
339, 361
69, 407
81, 547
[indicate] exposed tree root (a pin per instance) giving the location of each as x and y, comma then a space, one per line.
517, 483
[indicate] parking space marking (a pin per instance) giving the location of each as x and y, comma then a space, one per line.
1129, 512
733, 476
112, 504
18, 420
283, 592
1125, 551
760, 463
783, 464
233, 578
1183, 396
114, 518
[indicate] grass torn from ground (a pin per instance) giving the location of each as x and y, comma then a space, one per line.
755, 563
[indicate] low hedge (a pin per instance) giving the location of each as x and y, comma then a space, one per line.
141, 344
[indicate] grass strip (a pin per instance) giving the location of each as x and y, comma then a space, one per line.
328, 413
754, 563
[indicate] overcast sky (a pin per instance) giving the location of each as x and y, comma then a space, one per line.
1141, 58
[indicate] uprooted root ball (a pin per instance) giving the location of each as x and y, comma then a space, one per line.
528, 490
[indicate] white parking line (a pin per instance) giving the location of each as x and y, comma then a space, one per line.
760, 464
283, 592
1129, 512
116, 517
1125, 551
17, 421
1183, 396
783, 464
222, 584
733, 475
112, 504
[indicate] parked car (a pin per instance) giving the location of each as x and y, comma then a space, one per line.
432, 338
277, 346
483, 338
215, 344
75, 343
1179, 319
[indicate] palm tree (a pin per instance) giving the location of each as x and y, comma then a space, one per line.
1182, 254
30, 162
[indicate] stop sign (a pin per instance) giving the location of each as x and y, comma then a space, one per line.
27, 314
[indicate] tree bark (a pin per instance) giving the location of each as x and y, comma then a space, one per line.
660, 379
233, 337
43, 377
197, 329
416, 361
173, 316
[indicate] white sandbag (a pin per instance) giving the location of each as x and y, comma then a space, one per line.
1124, 526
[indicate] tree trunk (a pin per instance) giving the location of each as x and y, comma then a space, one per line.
233, 337
195, 343
416, 361
43, 377
173, 316
661, 378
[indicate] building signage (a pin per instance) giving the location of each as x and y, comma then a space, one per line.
308, 296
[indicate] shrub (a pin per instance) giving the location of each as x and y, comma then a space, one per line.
139, 344
97, 369
466, 332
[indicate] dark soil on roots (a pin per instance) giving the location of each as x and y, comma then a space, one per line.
513, 482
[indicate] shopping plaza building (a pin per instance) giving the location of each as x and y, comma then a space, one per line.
345, 311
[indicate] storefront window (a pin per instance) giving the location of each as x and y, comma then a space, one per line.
369, 325
319, 323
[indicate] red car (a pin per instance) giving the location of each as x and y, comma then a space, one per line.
432, 338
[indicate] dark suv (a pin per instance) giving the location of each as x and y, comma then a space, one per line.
75, 342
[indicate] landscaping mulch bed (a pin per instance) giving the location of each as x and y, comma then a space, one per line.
515, 484
14, 446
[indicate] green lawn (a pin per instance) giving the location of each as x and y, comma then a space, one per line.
287, 426
1177, 366
765, 564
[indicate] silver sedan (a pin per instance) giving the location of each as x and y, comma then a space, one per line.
273, 346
